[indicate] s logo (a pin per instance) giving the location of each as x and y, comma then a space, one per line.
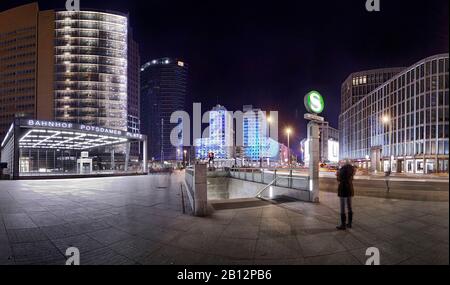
316, 104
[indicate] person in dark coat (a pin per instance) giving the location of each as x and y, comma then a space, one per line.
345, 192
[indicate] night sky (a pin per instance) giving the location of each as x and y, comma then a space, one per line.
271, 53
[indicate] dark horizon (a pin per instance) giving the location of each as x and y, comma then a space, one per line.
270, 55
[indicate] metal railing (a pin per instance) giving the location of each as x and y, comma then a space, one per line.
188, 186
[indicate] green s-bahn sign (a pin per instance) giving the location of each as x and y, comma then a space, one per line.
314, 102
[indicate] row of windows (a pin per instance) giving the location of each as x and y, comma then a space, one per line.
18, 48
17, 40
25, 81
17, 32
17, 90
19, 72
9, 100
19, 64
18, 56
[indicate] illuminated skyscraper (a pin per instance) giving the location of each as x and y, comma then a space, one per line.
163, 92
91, 68
26, 83
255, 134
68, 66
220, 140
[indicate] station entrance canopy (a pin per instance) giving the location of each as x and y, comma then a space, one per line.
27, 136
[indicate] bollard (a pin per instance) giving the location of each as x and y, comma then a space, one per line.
200, 191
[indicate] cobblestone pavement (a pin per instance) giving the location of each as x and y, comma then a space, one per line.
138, 220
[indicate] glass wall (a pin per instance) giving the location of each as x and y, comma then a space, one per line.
38, 161
408, 117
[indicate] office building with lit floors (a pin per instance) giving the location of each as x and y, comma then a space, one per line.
26, 64
254, 134
402, 125
70, 67
134, 93
359, 84
91, 68
163, 92
220, 140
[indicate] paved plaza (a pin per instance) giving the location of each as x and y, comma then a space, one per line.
139, 220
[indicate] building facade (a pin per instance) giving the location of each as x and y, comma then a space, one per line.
163, 92
134, 92
402, 124
328, 145
359, 84
134, 85
91, 52
254, 133
68, 66
26, 83
40, 148
220, 140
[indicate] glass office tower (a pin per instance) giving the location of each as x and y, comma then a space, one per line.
163, 92
220, 140
254, 134
91, 68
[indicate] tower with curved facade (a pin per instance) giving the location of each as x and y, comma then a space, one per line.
402, 125
91, 68
71, 66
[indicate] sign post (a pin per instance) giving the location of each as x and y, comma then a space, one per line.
315, 105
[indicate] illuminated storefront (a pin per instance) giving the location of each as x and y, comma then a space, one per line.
46, 148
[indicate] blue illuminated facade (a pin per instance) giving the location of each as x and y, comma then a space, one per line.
220, 140
254, 134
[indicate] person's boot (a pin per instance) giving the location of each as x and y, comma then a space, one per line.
350, 220
343, 220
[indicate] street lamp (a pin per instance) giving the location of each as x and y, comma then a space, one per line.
387, 121
288, 133
267, 142
184, 157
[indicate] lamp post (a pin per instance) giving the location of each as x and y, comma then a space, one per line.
184, 157
288, 133
387, 121
269, 121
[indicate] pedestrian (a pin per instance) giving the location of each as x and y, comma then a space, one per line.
387, 174
345, 192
